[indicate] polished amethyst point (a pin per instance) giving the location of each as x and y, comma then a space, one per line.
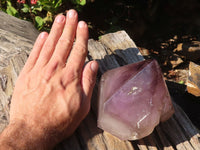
133, 99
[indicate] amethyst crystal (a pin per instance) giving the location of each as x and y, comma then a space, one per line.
133, 99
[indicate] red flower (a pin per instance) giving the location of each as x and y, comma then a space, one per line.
33, 2
21, 1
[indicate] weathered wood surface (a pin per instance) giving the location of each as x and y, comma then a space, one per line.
17, 27
113, 50
16, 40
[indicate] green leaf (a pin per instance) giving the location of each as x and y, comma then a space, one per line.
26, 8
48, 18
38, 8
11, 10
39, 22
59, 3
82, 2
33, 11
47, 7
181, 82
79, 2
9, 3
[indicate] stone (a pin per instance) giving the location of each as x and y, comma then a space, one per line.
133, 99
190, 50
193, 82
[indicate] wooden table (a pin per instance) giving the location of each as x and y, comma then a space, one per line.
111, 51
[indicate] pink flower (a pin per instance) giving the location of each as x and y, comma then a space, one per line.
21, 1
33, 2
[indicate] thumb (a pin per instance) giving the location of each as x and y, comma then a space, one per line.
89, 78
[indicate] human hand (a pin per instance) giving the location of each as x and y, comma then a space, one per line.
52, 96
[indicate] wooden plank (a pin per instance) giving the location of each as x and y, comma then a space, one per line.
187, 127
3, 118
8, 76
163, 139
97, 51
121, 45
12, 45
71, 143
18, 27
89, 135
17, 38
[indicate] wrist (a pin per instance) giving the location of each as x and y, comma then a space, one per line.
20, 136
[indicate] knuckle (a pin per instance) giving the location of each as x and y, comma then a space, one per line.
73, 73
65, 41
71, 76
49, 45
81, 48
77, 104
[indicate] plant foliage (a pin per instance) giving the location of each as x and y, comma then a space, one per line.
40, 12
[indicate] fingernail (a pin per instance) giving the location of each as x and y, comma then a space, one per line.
43, 35
94, 66
60, 19
82, 24
71, 13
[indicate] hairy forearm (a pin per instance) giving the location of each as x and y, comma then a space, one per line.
21, 137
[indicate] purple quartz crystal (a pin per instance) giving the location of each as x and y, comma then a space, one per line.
133, 99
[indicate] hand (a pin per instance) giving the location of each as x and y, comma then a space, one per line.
52, 96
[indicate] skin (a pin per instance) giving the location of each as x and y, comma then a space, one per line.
51, 97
